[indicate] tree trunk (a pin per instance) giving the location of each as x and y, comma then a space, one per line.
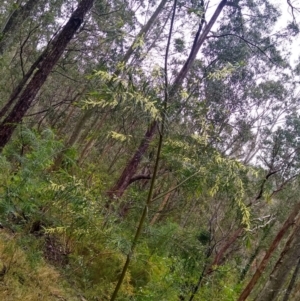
288, 223
161, 208
77, 130
292, 282
287, 260
55, 51
124, 180
253, 257
89, 145
219, 258
119, 188
21, 85
198, 42
14, 22
144, 30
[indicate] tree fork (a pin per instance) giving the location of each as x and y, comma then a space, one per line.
125, 179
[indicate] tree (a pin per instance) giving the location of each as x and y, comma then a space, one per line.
17, 17
155, 138
131, 167
50, 58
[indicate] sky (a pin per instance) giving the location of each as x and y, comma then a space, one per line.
282, 22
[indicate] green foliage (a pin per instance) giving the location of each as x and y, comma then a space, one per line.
222, 286
226, 165
23, 277
22, 192
116, 91
216, 174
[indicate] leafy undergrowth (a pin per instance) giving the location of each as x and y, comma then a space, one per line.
23, 277
59, 242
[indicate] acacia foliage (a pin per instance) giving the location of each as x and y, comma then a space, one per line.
229, 163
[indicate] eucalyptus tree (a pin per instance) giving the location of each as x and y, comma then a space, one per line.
116, 38
131, 167
254, 51
229, 103
18, 13
280, 157
46, 63
287, 260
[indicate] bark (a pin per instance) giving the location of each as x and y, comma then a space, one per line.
124, 180
287, 260
55, 51
119, 188
219, 258
262, 266
296, 293
292, 282
161, 208
14, 22
14, 95
92, 141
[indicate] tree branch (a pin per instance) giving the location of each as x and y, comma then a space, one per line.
246, 41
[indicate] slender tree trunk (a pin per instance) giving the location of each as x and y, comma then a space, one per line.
219, 258
200, 280
144, 30
292, 282
198, 42
14, 95
70, 109
119, 188
89, 145
14, 22
115, 159
296, 293
94, 126
55, 51
73, 139
289, 257
255, 254
129, 53
161, 208
77, 130
124, 180
288, 223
